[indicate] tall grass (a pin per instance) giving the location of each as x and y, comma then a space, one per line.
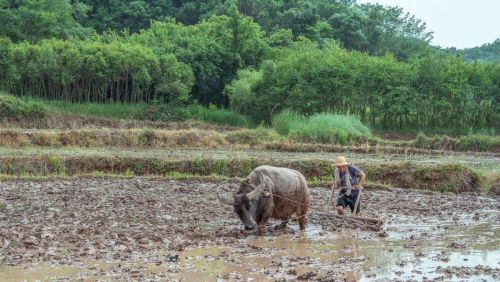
283, 122
106, 110
478, 142
197, 112
323, 128
12, 106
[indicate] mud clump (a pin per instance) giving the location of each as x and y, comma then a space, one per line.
468, 272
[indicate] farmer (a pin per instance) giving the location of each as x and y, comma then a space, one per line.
351, 179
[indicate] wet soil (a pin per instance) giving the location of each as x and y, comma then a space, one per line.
139, 229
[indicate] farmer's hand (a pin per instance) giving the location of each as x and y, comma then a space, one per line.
358, 186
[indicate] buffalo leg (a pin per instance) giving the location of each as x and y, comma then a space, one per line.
260, 230
302, 223
302, 217
282, 225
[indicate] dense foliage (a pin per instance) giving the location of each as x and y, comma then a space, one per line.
259, 57
83, 71
489, 52
33, 20
372, 28
430, 92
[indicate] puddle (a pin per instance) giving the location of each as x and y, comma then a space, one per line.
37, 273
390, 258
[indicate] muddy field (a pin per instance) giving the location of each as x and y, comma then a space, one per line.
139, 229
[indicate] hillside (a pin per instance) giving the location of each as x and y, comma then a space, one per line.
489, 52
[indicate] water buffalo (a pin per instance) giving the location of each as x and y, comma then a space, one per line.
270, 192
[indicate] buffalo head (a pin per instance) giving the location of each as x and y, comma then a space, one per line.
248, 202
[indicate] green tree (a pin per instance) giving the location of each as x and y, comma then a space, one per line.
33, 20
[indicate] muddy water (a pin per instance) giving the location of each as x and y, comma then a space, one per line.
387, 258
118, 229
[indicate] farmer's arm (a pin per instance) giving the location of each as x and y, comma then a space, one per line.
336, 181
362, 177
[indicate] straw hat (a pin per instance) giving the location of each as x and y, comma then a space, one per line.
340, 161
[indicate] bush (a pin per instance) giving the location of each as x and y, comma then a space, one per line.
14, 107
284, 121
209, 114
322, 128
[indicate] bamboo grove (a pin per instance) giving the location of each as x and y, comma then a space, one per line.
90, 71
230, 61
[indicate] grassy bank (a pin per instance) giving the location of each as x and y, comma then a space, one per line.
320, 130
441, 178
187, 135
28, 108
471, 142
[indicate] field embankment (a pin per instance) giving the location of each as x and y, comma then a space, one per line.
290, 131
37, 141
187, 135
64, 130
54, 162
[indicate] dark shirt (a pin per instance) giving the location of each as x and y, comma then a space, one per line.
355, 173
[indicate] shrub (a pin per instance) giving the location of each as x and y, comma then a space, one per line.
14, 107
286, 120
323, 128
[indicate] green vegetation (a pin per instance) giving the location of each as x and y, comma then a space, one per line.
322, 128
108, 110
252, 60
428, 93
441, 178
284, 121
363, 27
13, 107
93, 71
489, 52
33, 20
210, 114
479, 142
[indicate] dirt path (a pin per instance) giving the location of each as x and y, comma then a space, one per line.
111, 229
